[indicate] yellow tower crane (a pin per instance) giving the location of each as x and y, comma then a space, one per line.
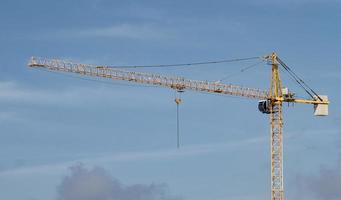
270, 102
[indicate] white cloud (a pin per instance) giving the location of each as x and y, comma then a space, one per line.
188, 151
323, 186
4, 116
163, 154
98, 184
294, 2
14, 92
128, 31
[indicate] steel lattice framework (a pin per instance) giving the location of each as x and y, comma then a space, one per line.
276, 123
274, 99
177, 83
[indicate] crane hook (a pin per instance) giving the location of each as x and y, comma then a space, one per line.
178, 101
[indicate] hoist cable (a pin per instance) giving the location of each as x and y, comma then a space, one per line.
178, 102
177, 126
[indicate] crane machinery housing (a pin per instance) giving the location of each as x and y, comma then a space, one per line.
270, 102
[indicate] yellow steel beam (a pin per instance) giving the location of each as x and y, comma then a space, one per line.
303, 101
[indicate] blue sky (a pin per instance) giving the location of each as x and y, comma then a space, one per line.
51, 121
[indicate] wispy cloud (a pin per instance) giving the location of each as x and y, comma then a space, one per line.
324, 185
119, 31
162, 154
73, 95
109, 158
5, 115
11, 91
294, 2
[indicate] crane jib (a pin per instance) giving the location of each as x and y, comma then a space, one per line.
177, 83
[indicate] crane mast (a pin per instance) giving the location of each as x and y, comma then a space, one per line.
276, 132
271, 101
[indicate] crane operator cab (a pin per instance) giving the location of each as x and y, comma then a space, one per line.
264, 106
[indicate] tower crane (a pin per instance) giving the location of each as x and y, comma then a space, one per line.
270, 101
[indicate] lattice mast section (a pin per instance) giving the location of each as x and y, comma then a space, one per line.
177, 83
276, 124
